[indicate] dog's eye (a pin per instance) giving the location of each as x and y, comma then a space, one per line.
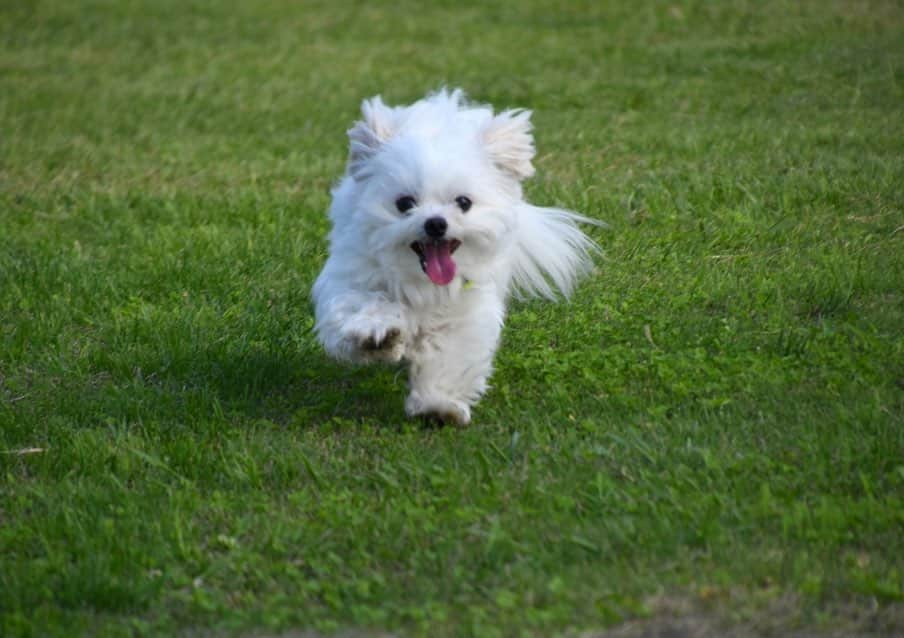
405, 203
464, 203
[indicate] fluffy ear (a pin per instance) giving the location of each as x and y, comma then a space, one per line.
367, 135
510, 144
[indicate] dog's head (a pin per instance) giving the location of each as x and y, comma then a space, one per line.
431, 188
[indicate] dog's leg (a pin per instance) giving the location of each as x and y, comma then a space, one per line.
452, 363
363, 328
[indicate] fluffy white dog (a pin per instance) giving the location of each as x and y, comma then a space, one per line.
430, 237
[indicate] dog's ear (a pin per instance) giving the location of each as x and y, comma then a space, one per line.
367, 135
510, 144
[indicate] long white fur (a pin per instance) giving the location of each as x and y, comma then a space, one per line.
372, 300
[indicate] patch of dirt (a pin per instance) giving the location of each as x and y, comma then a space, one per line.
782, 617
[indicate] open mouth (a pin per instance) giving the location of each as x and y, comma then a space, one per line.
436, 258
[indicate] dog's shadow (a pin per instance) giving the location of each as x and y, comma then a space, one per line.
299, 387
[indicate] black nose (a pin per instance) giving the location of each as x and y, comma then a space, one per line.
436, 227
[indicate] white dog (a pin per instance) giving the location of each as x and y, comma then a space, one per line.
430, 236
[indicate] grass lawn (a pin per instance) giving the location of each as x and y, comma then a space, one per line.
709, 435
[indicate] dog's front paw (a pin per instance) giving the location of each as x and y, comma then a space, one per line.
385, 343
376, 341
438, 410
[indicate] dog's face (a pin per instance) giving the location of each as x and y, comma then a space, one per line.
436, 187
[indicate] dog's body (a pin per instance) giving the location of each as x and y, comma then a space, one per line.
425, 182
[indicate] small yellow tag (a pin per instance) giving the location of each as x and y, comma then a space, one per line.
467, 285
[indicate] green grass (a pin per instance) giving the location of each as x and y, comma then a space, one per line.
715, 423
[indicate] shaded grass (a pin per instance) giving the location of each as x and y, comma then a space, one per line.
715, 416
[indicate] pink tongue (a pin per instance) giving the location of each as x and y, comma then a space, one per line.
438, 258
